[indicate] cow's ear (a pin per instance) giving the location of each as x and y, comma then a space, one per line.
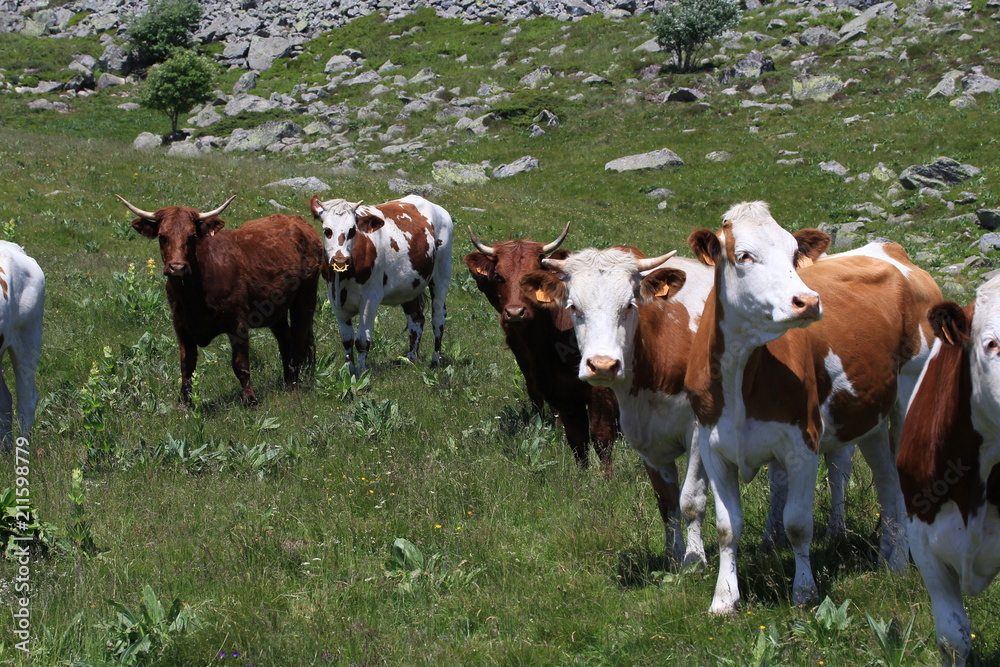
146, 227
480, 265
706, 246
559, 254
950, 323
812, 244
370, 223
316, 207
209, 226
661, 284
543, 288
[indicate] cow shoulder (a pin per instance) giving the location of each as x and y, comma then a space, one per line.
939, 450
418, 232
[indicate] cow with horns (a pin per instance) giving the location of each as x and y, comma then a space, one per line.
22, 296
221, 281
544, 345
391, 253
947, 464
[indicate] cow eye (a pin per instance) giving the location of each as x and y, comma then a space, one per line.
744, 257
501, 280
992, 346
351, 232
328, 232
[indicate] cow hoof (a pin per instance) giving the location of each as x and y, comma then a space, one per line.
250, 401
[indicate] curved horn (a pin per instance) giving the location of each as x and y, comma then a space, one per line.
481, 247
653, 262
206, 216
554, 264
546, 249
138, 211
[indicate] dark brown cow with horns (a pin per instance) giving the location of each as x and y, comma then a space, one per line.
544, 345
221, 281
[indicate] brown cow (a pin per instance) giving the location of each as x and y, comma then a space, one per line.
544, 346
221, 281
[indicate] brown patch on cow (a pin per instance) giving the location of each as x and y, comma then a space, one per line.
394, 245
342, 239
702, 381
418, 230
363, 258
729, 242
662, 347
3, 285
939, 449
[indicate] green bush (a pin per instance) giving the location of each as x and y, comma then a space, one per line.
177, 85
166, 26
683, 27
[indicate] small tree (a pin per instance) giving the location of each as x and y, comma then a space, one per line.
684, 26
166, 25
176, 86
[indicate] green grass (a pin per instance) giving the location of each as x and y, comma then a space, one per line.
287, 559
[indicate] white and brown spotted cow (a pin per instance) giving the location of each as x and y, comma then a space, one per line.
797, 355
390, 253
22, 298
948, 464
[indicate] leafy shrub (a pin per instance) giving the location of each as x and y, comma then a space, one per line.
177, 85
21, 528
409, 569
166, 26
142, 635
684, 27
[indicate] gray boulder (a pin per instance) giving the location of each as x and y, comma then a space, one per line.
833, 167
819, 35
339, 64
246, 102
453, 173
106, 80
989, 242
536, 78
262, 136
205, 117
881, 10
402, 187
115, 60
947, 86
988, 219
265, 50
941, 174
147, 141
518, 166
683, 95
302, 184
246, 82
750, 66
818, 88
184, 149
659, 159
974, 84
845, 235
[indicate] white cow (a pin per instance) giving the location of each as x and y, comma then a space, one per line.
948, 464
22, 298
390, 253
772, 382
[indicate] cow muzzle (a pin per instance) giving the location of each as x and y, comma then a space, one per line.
602, 369
516, 315
340, 262
806, 307
176, 269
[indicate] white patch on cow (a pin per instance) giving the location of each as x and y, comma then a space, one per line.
874, 249
838, 376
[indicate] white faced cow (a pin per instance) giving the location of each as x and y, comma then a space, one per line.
634, 334
22, 297
948, 464
390, 253
772, 382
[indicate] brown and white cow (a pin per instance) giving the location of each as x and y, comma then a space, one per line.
788, 364
222, 281
948, 464
22, 299
634, 334
544, 345
390, 253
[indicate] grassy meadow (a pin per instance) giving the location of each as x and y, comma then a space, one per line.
421, 516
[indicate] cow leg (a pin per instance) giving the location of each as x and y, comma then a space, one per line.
6, 412
439, 289
724, 479
301, 314
576, 424
774, 528
694, 498
798, 518
951, 622
414, 311
25, 366
893, 547
839, 463
345, 325
604, 429
664, 481
363, 338
240, 342
283, 335
189, 360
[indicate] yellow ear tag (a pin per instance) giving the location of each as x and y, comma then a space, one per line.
542, 297
663, 291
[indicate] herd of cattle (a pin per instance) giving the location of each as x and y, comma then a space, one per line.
764, 351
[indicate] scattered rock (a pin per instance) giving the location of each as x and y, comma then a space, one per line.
833, 167
301, 183
262, 136
947, 86
881, 10
453, 173
820, 35
518, 166
147, 141
989, 242
536, 78
683, 95
819, 88
941, 174
246, 82
988, 219
718, 156
750, 66
660, 193
974, 84
659, 159
402, 187
265, 50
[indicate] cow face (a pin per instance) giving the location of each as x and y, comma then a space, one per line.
178, 230
342, 221
602, 289
985, 365
756, 277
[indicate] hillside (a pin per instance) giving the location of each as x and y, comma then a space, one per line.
277, 525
